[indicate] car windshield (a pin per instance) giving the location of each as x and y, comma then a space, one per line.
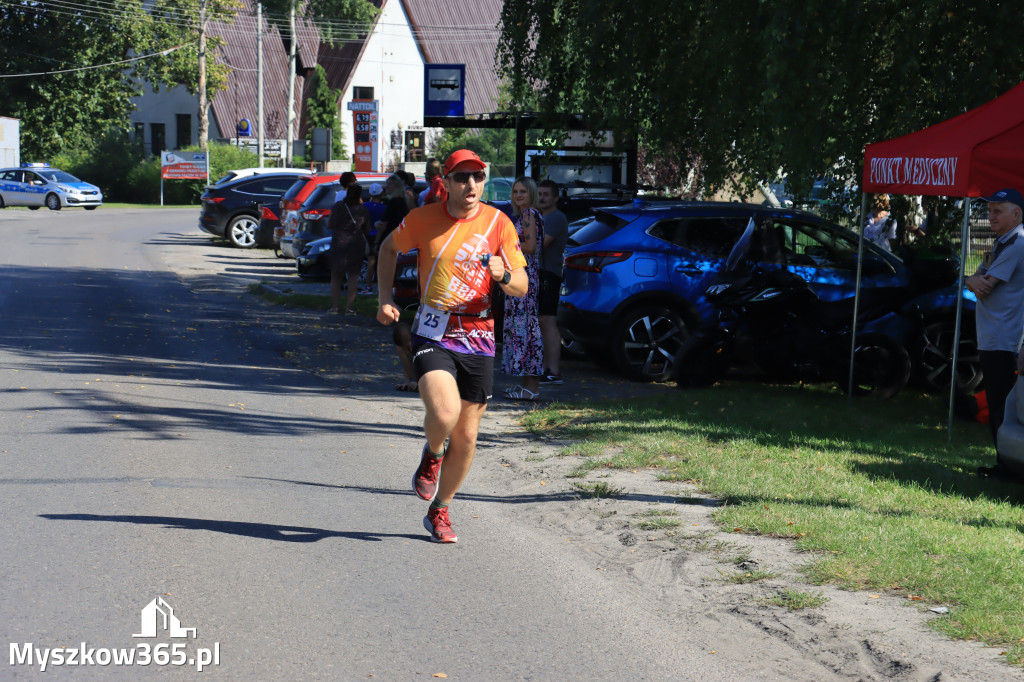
58, 176
227, 178
602, 225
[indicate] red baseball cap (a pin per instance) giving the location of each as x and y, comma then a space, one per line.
462, 156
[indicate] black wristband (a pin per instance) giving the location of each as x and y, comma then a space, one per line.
506, 278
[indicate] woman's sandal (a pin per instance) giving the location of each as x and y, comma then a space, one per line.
521, 393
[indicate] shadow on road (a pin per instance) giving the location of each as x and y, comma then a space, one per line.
262, 531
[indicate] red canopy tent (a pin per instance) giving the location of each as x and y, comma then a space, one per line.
974, 154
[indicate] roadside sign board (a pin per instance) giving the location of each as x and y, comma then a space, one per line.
364, 127
444, 90
183, 165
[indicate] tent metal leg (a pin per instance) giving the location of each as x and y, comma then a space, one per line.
965, 240
856, 292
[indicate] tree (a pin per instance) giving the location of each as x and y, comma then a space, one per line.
322, 111
68, 91
186, 22
497, 146
336, 20
752, 88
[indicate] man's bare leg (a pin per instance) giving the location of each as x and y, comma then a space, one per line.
440, 396
461, 449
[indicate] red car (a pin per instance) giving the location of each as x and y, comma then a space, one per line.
290, 203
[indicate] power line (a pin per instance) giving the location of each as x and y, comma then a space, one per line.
186, 19
162, 53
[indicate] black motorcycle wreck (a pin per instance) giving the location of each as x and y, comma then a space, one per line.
770, 318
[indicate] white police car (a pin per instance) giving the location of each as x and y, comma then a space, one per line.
36, 184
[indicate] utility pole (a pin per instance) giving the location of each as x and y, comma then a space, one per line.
204, 105
259, 80
292, 61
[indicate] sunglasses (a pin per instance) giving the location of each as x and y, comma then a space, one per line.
462, 177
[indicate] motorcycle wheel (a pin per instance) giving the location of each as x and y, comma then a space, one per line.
700, 363
881, 367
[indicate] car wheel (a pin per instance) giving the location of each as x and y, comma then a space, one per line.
241, 231
881, 367
53, 202
89, 208
33, 208
933, 355
2, 204
645, 342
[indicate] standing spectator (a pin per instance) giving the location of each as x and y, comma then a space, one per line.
522, 350
348, 224
410, 192
464, 247
375, 210
556, 234
881, 225
346, 179
435, 191
374, 206
999, 316
395, 208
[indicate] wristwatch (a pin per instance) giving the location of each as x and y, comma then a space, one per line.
506, 278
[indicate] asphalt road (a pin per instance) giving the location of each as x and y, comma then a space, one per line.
157, 445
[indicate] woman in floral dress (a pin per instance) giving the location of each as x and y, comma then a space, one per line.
522, 353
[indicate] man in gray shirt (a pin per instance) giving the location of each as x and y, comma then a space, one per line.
556, 233
999, 316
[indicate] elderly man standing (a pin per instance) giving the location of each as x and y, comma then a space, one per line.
999, 286
464, 247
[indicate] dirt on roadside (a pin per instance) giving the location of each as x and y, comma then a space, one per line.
698, 574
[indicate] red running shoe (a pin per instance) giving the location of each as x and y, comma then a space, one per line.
436, 521
424, 481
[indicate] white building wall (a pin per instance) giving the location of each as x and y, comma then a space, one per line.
392, 65
162, 107
10, 142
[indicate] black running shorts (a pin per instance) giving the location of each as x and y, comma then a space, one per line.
474, 374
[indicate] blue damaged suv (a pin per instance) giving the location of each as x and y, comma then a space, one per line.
635, 276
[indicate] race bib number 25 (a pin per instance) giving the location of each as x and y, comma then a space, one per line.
431, 323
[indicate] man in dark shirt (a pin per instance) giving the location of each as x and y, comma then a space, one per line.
556, 233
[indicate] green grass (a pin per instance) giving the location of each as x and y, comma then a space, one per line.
871, 489
744, 577
153, 206
795, 600
364, 305
596, 490
656, 520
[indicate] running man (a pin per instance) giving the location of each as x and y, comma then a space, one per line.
464, 247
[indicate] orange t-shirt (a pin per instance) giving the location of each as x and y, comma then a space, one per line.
451, 276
